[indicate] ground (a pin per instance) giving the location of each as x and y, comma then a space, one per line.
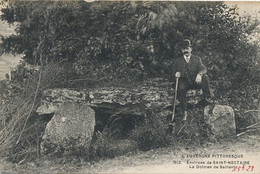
162, 160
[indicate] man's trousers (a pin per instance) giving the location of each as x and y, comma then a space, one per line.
185, 85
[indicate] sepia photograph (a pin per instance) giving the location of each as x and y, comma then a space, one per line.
125, 87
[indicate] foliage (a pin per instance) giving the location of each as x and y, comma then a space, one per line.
193, 132
152, 133
106, 146
131, 36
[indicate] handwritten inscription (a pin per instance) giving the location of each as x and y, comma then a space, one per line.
244, 167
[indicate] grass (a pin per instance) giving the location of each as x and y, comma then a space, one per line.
152, 133
106, 146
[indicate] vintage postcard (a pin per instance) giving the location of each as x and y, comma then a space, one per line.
129, 87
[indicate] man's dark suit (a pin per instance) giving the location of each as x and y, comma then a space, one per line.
189, 72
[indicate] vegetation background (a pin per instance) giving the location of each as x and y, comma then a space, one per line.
79, 44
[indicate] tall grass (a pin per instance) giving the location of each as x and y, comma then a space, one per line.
21, 129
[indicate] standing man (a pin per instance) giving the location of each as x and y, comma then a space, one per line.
192, 73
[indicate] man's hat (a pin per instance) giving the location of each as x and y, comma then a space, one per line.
184, 44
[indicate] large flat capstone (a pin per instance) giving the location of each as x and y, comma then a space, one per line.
158, 93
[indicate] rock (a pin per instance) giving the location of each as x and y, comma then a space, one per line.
221, 120
53, 98
70, 130
151, 94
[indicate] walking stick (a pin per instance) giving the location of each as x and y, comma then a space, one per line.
174, 106
175, 98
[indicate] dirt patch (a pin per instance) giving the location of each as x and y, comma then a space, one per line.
161, 160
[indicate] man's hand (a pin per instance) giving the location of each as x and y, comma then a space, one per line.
198, 78
177, 74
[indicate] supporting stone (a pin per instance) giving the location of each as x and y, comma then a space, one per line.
221, 120
70, 130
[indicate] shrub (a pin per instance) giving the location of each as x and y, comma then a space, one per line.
106, 146
194, 131
152, 133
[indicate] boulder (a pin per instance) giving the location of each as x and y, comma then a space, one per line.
221, 120
70, 130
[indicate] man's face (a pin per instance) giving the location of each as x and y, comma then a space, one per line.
186, 51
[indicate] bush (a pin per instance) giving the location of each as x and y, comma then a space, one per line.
193, 132
106, 146
152, 133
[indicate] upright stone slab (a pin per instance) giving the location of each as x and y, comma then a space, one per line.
221, 120
70, 129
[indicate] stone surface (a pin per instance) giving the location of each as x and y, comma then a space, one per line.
221, 120
53, 98
70, 129
151, 94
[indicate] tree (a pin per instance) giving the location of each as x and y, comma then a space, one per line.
138, 37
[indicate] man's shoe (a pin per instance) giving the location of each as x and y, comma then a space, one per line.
185, 116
